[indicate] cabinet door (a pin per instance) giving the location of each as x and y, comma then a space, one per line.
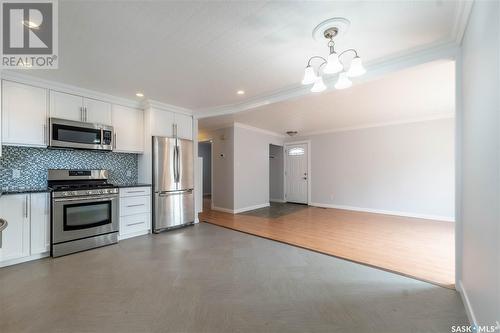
16, 237
162, 123
66, 106
24, 114
96, 111
40, 223
184, 126
128, 125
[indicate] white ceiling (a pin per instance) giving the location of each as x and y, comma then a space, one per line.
197, 54
421, 92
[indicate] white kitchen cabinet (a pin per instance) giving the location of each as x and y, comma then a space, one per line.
66, 106
24, 114
162, 123
135, 211
184, 125
16, 237
128, 125
78, 108
96, 111
40, 223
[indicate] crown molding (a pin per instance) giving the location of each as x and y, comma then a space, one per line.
376, 69
257, 129
149, 103
16, 76
448, 115
464, 9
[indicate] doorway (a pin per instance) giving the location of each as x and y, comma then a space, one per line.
276, 174
297, 172
205, 152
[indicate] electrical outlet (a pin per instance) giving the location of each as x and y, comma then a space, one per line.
16, 173
129, 173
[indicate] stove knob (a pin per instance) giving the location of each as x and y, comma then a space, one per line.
89, 192
73, 193
65, 194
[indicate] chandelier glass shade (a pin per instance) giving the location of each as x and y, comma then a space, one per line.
333, 64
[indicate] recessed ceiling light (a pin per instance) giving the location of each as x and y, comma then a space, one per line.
241, 92
139, 94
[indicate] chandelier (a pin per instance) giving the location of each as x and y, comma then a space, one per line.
334, 63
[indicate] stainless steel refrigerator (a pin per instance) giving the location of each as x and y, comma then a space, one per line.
173, 179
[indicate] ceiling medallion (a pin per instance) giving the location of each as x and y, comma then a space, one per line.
333, 64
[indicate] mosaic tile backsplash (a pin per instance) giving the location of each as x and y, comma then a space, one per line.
33, 164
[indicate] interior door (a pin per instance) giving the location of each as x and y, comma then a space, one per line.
297, 178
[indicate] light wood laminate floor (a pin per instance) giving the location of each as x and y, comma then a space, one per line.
210, 279
419, 248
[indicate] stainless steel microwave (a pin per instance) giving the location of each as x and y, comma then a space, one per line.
80, 135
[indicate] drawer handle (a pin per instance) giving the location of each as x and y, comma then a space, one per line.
140, 191
136, 223
135, 205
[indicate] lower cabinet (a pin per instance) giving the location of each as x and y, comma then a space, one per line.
16, 237
28, 230
40, 223
135, 211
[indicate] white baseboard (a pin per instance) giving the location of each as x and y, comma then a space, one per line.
24, 259
387, 212
465, 299
224, 210
246, 209
239, 210
277, 200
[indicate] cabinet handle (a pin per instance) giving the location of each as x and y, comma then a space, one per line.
139, 191
86, 114
81, 113
44, 130
138, 205
26, 206
136, 223
114, 141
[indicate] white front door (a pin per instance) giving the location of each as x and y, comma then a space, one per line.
297, 179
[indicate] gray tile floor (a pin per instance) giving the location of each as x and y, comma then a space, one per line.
210, 279
276, 209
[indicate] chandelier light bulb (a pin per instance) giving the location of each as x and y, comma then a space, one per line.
343, 82
319, 85
309, 76
333, 64
356, 68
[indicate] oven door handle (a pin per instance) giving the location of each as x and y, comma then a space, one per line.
100, 198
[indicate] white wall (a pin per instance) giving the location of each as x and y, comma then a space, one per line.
251, 167
405, 169
276, 169
480, 169
223, 166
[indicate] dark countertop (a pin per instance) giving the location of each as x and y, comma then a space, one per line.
21, 190
133, 185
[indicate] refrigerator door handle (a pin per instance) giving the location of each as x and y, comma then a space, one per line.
177, 165
168, 193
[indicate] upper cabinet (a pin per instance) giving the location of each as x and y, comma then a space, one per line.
128, 125
66, 106
97, 111
78, 108
184, 125
163, 123
24, 114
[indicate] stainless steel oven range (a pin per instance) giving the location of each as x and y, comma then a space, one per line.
84, 210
